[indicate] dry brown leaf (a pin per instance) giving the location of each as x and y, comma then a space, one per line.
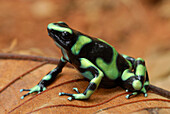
30, 51
102, 101
11, 47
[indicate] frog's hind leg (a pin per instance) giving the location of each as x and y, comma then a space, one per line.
94, 83
135, 79
92, 70
141, 72
145, 85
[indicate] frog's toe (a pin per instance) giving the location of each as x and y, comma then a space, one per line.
25, 95
76, 90
70, 98
145, 94
62, 93
134, 93
143, 90
21, 90
127, 96
127, 90
68, 94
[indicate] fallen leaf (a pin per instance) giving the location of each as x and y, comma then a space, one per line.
102, 101
11, 47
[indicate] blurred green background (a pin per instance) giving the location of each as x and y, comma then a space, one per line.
139, 28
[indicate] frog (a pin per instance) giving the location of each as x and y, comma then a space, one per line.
97, 61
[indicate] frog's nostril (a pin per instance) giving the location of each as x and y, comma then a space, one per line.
48, 29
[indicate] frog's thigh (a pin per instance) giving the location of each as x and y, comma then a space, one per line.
95, 81
137, 80
95, 73
140, 71
130, 81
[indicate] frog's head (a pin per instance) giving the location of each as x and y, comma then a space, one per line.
62, 34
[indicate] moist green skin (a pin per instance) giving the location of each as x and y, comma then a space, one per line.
97, 61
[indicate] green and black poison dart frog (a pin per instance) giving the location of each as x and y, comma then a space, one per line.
97, 61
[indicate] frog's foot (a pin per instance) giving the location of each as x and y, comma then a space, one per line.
74, 96
134, 93
37, 88
143, 90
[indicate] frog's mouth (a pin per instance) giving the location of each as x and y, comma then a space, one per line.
53, 35
57, 38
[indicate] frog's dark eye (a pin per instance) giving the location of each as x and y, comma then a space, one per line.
65, 33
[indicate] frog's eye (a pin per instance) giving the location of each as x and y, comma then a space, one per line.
65, 33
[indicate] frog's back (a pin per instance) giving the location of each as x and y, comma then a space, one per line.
97, 49
106, 58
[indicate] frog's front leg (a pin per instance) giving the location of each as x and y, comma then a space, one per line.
46, 80
94, 83
136, 79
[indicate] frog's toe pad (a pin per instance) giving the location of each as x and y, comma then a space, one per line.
127, 96
21, 90
145, 94
22, 97
61, 93
69, 98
